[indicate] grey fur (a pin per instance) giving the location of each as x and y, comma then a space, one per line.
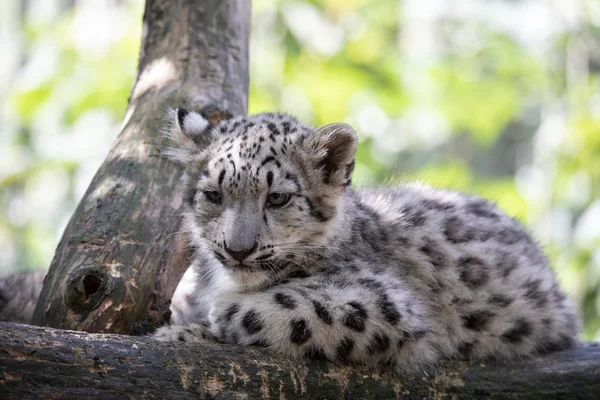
405, 276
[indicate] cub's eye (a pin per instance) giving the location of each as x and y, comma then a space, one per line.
278, 199
213, 196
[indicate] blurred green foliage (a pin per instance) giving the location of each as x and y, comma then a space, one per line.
473, 99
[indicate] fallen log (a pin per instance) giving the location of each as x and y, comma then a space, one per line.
39, 362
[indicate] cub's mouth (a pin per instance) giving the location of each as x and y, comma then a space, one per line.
254, 270
250, 277
241, 265
273, 267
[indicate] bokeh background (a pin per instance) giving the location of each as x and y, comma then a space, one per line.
495, 97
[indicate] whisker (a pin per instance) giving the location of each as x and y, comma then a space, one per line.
178, 232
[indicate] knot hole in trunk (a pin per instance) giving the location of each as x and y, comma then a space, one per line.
87, 290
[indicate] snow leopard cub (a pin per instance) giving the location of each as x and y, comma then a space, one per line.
288, 256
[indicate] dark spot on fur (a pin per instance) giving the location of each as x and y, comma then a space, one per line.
300, 332
457, 232
181, 337
299, 274
352, 268
461, 301
402, 241
314, 286
230, 312
547, 323
387, 309
284, 300
559, 296
220, 257
437, 205
322, 312
414, 217
401, 342
267, 159
379, 343
273, 128
377, 269
252, 322
535, 293
436, 257
269, 178
318, 214
332, 270
499, 300
478, 320
512, 235
291, 177
482, 208
344, 349
355, 319
416, 335
221, 176
473, 271
507, 264
410, 336
370, 283
436, 287
563, 343
260, 343
518, 332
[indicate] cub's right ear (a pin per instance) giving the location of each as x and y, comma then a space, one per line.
189, 132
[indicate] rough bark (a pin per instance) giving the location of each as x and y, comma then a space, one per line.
120, 256
40, 362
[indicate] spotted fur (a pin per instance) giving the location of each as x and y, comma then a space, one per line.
289, 257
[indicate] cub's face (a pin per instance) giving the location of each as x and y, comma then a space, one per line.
261, 191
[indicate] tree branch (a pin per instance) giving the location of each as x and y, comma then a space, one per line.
46, 362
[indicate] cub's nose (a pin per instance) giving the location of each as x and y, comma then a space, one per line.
240, 255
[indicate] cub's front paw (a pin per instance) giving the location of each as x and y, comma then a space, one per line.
193, 333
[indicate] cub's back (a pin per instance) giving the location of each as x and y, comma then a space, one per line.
476, 268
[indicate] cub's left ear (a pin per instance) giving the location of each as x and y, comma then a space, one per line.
189, 133
333, 148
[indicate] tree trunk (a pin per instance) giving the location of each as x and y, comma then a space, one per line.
120, 257
40, 362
